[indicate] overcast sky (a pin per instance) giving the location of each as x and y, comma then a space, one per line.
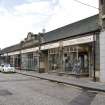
18, 17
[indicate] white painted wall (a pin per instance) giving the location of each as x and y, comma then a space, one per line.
102, 56
14, 53
75, 41
80, 40
30, 50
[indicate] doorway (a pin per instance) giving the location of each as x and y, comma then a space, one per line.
84, 59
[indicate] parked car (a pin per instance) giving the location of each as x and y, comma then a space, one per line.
7, 68
1, 67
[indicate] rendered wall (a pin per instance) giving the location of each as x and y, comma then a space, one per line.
102, 56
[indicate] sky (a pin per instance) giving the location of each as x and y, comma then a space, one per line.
18, 17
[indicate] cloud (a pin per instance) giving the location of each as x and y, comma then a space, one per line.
69, 11
26, 17
3, 11
33, 15
42, 7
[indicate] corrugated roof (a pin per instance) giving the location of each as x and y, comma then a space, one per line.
83, 26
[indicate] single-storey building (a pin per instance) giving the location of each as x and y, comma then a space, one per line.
59, 50
75, 48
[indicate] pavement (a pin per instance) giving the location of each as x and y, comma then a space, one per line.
84, 83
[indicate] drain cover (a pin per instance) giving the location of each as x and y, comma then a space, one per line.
5, 92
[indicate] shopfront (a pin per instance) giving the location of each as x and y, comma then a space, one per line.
63, 58
30, 61
17, 61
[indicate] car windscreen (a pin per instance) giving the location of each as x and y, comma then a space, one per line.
7, 65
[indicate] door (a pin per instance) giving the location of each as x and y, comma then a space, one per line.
83, 57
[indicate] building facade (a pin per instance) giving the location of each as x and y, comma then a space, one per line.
102, 39
60, 50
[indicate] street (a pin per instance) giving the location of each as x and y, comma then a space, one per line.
17, 89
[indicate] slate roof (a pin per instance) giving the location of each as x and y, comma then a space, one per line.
89, 24
11, 48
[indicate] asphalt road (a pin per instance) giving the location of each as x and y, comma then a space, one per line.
17, 89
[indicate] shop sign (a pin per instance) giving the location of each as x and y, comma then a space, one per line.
49, 46
30, 50
81, 40
14, 53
